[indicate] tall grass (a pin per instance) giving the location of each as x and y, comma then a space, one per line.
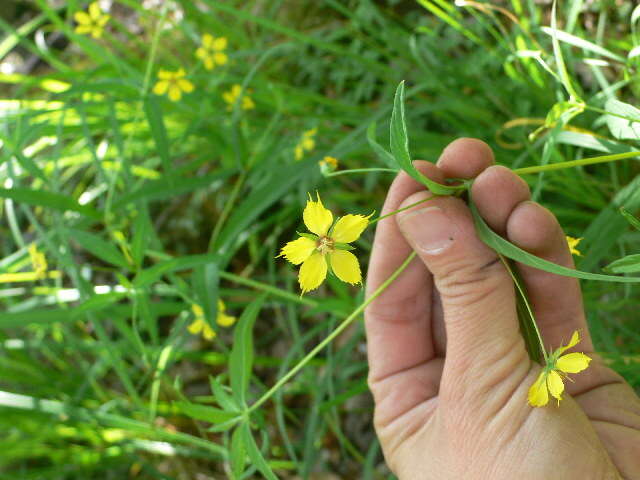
144, 207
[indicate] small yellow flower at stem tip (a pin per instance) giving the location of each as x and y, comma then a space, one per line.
550, 380
91, 23
231, 97
212, 51
200, 324
573, 243
328, 164
173, 84
327, 246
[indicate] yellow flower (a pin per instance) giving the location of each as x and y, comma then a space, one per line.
327, 246
212, 51
550, 379
306, 143
200, 324
172, 83
232, 95
91, 23
328, 164
40, 269
573, 243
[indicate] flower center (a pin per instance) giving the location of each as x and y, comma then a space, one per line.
324, 245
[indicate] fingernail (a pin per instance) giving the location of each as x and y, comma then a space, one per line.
430, 229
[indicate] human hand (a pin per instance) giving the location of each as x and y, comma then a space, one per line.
448, 367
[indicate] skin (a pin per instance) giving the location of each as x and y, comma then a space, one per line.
447, 365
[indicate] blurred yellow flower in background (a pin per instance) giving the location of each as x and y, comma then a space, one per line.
573, 243
306, 143
326, 248
200, 325
328, 164
212, 51
232, 95
39, 265
91, 23
550, 379
172, 83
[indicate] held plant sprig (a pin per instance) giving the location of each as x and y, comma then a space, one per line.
555, 364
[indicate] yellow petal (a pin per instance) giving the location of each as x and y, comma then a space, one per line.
555, 385
349, 228
201, 53
298, 250
175, 93
308, 143
298, 152
538, 393
161, 87
180, 73
185, 85
219, 43
207, 40
346, 267
96, 32
196, 326
312, 272
573, 362
225, 320
83, 29
165, 74
317, 218
94, 11
575, 338
247, 104
573, 243
220, 58
82, 17
207, 332
102, 21
197, 310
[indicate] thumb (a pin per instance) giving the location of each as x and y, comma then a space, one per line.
476, 290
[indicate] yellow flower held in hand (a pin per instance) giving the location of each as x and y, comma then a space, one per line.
550, 379
200, 324
232, 95
91, 23
573, 243
172, 83
326, 248
212, 51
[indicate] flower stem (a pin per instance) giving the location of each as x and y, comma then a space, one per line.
277, 292
576, 163
382, 217
345, 323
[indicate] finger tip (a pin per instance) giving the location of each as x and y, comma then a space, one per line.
535, 229
465, 158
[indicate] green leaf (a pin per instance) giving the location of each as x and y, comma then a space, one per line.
205, 288
399, 143
238, 453
631, 219
46, 199
509, 250
628, 264
222, 397
158, 132
141, 238
623, 128
241, 357
254, 453
100, 248
205, 412
581, 43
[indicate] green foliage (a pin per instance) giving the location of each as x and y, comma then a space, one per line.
146, 207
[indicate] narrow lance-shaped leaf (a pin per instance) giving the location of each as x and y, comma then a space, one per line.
241, 358
509, 250
399, 143
254, 453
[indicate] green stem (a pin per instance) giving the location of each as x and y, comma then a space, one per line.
345, 323
360, 170
382, 217
576, 163
268, 288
